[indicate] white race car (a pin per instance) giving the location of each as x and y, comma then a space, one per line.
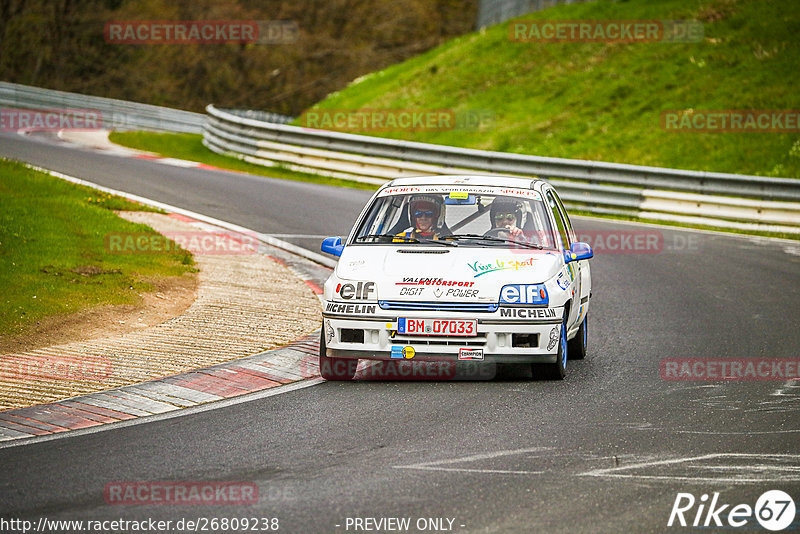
455, 268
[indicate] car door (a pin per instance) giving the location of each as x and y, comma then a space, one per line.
583, 270
567, 236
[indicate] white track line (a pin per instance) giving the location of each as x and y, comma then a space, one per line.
436, 465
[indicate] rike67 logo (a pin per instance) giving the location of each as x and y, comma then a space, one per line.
774, 510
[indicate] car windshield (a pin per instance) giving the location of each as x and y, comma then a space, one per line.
472, 216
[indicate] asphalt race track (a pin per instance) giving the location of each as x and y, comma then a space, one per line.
606, 450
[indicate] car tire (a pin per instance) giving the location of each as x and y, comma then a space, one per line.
576, 347
334, 368
557, 370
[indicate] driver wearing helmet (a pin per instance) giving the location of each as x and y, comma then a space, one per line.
506, 217
424, 212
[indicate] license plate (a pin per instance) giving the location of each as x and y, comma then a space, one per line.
437, 327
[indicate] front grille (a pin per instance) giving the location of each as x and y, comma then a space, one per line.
437, 306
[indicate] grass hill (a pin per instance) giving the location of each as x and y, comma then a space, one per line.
604, 101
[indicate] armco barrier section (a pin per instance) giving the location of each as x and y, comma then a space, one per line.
716, 199
696, 197
115, 114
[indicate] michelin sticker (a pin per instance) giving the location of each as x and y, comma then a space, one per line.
553, 338
329, 331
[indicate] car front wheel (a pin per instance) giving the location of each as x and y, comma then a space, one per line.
577, 345
557, 370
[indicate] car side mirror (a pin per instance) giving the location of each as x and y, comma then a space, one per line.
333, 246
578, 251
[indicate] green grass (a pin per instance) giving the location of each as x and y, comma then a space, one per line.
603, 101
53, 257
190, 147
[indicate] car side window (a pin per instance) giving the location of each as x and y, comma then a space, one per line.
567, 222
562, 228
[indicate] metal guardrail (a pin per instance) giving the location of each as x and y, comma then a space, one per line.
115, 114
492, 12
265, 116
717, 199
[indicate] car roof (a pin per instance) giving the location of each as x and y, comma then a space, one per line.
467, 179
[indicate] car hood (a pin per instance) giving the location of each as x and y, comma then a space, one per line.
446, 274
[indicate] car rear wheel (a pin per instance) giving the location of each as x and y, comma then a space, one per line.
577, 345
557, 370
334, 368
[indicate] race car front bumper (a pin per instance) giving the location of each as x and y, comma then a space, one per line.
499, 339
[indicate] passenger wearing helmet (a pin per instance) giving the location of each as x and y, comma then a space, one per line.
506, 218
424, 213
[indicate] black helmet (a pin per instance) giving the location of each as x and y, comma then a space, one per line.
506, 205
